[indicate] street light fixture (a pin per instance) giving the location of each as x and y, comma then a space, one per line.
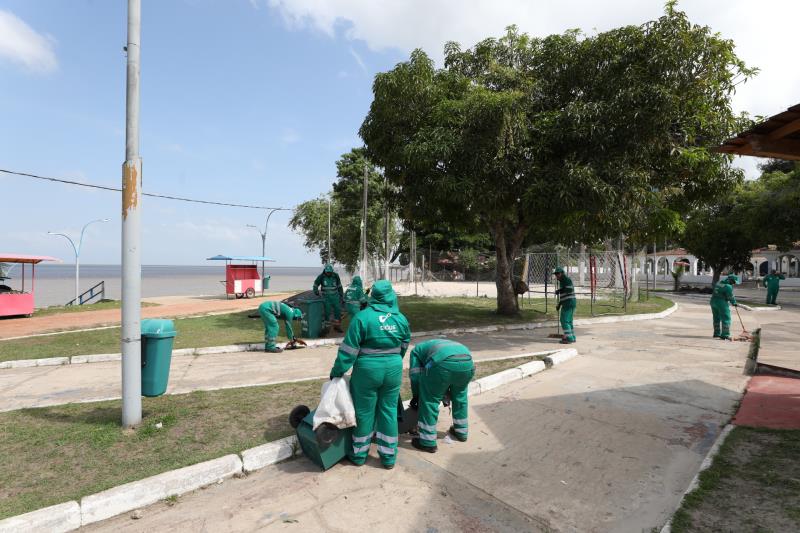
77, 250
264, 238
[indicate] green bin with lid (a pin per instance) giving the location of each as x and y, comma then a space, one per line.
158, 336
313, 317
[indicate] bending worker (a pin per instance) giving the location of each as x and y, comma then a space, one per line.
270, 312
439, 366
566, 304
354, 298
332, 295
773, 284
374, 346
723, 293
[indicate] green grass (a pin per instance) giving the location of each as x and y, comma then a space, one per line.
56, 454
751, 303
424, 314
99, 306
752, 485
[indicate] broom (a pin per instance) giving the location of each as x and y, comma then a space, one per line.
744, 335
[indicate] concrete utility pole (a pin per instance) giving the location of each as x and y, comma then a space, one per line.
330, 252
77, 250
131, 340
386, 224
364, 228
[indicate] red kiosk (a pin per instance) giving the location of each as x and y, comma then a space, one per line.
243, 280
19, 302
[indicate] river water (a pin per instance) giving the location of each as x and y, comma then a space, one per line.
55, 284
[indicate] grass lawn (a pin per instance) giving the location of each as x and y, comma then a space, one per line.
424, 314
753, 485
99, 306
56, 454
751, 303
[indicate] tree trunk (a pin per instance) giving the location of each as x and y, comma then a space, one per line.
717, 274
506, 249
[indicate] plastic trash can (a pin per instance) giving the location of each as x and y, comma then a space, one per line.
157, 339
313, 317
265, 282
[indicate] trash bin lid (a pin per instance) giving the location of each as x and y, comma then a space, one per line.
158, 328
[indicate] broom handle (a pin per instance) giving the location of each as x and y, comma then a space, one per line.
740, 317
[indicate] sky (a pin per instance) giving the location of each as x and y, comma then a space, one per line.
253, 101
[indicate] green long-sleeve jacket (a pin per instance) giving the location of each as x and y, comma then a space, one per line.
354, 294
281, 311
429, 353
566, 292
330, 284
380, 330
723, 292
773, 281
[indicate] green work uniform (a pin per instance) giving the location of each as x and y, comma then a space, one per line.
567, 303
773, 284
436, 367
723, 293
354, 297
270, 312
374, 346
332, 293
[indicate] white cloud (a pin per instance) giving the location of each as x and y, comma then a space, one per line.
21, 44
358, 59
764, 32
290, 136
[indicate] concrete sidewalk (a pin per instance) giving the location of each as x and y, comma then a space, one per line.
605, 442
42, 386
168, 306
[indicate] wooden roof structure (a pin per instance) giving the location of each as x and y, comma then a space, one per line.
777, 137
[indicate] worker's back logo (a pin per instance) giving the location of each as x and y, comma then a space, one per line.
384, 318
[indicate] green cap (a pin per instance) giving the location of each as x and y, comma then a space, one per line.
298, 314
328, 268
732, 279
558, 270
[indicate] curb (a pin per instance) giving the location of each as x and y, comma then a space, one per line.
115, 501
759, 308
703, 466
317, 343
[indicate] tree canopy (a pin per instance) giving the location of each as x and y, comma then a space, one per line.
567, 138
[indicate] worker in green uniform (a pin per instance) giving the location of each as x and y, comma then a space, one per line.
270, 312
354, 297
374, 346
439, 366
722, 295
566, 304
773, 284
332, 295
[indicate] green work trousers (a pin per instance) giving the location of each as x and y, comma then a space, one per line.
353, 308
566, 322
722, 319
434, 383
271, 329
332, 305
772, 296
375, 387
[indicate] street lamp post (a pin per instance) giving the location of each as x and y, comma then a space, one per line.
264, 239
77, 250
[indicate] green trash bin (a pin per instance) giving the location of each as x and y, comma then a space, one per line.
157, 338
265, 282
313, 317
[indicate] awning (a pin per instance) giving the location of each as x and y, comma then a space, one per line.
240, 258
22, 258
778, 137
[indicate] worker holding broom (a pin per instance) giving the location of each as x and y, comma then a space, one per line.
720, 298
332, 295
270, 312
439, 367
773, 284
566, 304
376, 341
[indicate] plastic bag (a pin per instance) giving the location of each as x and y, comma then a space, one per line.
336, 405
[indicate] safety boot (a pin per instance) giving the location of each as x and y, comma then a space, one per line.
275, 349
418, 445
453, 433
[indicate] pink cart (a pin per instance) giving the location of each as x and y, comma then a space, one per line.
19, 302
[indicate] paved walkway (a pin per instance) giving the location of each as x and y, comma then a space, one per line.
605, 442
169, 306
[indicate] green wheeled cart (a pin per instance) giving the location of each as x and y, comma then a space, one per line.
157, 339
